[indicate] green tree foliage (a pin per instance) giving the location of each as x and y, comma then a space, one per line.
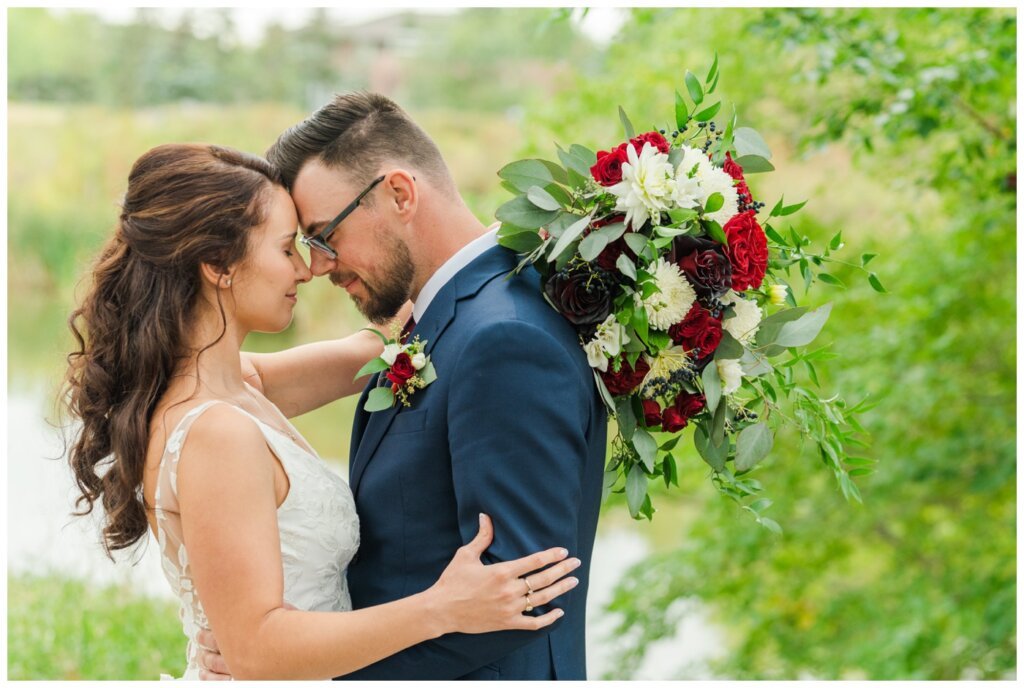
919, 582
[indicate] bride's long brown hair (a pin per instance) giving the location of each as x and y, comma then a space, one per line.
186, 204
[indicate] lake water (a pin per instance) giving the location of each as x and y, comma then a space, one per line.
41, 536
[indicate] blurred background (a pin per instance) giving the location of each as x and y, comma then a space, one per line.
898, 126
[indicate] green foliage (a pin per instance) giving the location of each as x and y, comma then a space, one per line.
925, 98
64, 629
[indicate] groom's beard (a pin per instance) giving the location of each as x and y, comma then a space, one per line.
391, 286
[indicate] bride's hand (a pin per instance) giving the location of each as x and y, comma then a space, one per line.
478, 598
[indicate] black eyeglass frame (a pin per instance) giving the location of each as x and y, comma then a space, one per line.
319, 240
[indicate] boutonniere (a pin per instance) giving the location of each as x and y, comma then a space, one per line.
404, 366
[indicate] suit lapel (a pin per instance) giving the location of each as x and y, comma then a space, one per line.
439, 315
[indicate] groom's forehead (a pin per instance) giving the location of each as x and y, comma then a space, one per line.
319, 192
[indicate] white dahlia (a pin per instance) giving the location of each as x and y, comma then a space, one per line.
743, 325
731, 374
671, 304
647, 185
609, 339
777, 294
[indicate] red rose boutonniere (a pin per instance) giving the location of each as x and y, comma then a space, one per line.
404, 366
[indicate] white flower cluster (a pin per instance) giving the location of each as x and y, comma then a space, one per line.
391, 352
671, 304
743, 326
609, 339
746, 321
650, 185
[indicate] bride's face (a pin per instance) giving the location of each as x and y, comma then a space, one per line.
266, 284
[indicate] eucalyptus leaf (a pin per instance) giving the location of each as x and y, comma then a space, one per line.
749, 142
427, 373
521, 212
803, 331
714, 455
876, 284
718, 427
625, 417
572, 233
577, 165
636, 489
374, 366
755, 364
542, 199
712, 386
379, 399
592, 245
637, 242
613, 231
728, 347
606, 396
587, 156
557, 171
772, 325
752, 164
523, 174
646, 447
753, 444
521, 242
625, 266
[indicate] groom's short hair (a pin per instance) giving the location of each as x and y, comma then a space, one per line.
358, 133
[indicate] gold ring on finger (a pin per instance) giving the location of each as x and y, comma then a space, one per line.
529, 604
529, 588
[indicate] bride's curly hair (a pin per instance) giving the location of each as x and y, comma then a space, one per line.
186, 204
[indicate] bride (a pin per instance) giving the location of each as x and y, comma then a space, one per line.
186, 436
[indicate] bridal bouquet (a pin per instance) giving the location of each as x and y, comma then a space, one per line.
663, 259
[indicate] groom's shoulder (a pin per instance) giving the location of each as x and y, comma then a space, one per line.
514, 305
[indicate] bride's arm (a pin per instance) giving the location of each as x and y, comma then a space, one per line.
304, 378
228, 511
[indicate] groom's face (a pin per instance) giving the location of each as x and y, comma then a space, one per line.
373, 263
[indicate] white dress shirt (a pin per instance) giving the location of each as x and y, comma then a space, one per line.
465, 255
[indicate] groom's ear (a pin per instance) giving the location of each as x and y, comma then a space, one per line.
403, 194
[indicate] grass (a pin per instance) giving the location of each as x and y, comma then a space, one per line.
66, 629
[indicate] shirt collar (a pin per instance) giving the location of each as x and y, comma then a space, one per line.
465, 255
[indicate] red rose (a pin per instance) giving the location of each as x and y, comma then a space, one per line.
401, 370
651, 137
607, 171
747, 250
627, 379
652, 413
679, 414
705, 264
732, 169
699, 332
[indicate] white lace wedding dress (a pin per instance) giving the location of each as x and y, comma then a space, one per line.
317, 521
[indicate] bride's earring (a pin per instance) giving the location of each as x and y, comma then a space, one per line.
229, 281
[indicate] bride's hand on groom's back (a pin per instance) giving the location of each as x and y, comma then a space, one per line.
477, 598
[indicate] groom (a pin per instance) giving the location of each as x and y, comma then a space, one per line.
512, 426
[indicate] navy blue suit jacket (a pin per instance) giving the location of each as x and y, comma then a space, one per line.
512, 427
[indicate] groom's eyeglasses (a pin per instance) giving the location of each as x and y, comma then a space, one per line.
319, 240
